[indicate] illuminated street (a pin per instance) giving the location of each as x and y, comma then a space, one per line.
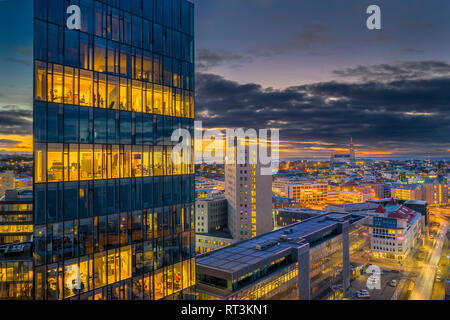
424, 282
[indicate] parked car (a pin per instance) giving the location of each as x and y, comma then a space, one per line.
362, 294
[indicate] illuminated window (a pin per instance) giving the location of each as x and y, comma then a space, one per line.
186, 106
115, 162
158, 161
136, 162
86, 86
123, 94
55, 162
177, 103
125, 261
157, 99
100, 270
56, 91
146, 161
185, 274
177, 277
98, 162
113, 92
68, 85
73, 162
148, 98
100, 89
136, 99
159, 285
126, 171
40, 165
86, 162
168, 162
167, 104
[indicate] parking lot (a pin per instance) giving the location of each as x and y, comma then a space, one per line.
384, 293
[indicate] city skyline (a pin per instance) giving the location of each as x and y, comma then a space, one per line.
194, 150
318, 76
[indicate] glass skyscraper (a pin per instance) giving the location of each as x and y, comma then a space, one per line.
113, 214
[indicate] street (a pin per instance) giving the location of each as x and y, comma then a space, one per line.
425, 280
384, 293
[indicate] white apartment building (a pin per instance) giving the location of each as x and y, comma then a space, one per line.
393, 231
249, 195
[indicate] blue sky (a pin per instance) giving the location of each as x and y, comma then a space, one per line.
16, 34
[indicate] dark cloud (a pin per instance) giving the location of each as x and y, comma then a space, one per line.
412, 114
403, 70
307, 39
15, 120
24, 62
9, 142
207, 59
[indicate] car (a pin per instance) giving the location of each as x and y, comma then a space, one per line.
364, 291
438, 279
362, 294
393, 283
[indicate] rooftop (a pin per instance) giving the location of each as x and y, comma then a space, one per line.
16, 252
240, 257
404, 213
15, 195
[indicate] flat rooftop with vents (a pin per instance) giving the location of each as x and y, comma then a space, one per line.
221, 272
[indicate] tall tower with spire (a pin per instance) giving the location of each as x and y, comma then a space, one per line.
352, 150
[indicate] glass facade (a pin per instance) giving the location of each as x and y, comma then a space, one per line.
113, 215
16, 280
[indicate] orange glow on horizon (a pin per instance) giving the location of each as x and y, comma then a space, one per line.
375, 153
19, 143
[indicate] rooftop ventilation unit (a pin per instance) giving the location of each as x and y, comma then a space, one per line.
285, 238
266, 244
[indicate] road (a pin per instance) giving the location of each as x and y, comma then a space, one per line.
425, 279
384, 293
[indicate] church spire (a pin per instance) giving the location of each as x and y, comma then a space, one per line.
352, 150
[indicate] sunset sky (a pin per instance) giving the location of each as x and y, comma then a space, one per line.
310, 68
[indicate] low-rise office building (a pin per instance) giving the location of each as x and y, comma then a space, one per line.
308, 193
16, 271
206, 242
303, 261
211, 214
394, 231
338, 197
16, 216
287, 216
211, 224
407, 191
